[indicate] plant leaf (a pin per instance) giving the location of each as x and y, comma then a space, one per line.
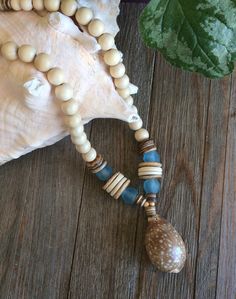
194, 35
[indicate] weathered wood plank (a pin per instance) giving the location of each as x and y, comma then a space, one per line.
178, 117
106, 262
226, 286
212, 189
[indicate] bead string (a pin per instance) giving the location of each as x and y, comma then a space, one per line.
117, 185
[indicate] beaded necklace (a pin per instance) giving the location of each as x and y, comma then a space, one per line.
164, 245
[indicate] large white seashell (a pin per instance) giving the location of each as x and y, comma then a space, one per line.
30, 117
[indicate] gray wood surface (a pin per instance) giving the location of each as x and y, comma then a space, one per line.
62, 237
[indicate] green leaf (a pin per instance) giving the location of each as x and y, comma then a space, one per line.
198, 36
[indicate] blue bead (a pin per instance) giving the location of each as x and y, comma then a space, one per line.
152, 186
105, 173
151, 156
129, 195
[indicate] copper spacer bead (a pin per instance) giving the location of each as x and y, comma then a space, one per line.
146, 146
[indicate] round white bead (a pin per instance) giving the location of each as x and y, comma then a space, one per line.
77, 131
135, 109
96, 27
70, 107
43, 62
26, 53
106, 41
52, 5
84, 15
129, 101
141, 135
26, 5
122, 82
73, 121
117, 71
90, 156
112, 57
79, 140
15, 5
69, 7
124, 93
9, 51
136, 125
64, 92
38, 4
84, 148
56, 76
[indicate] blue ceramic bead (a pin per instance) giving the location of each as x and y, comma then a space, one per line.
152, 186
129, 195
151, 156
105, 173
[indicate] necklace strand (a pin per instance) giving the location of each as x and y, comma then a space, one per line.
164, 245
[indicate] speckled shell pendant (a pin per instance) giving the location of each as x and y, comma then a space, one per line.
164, 245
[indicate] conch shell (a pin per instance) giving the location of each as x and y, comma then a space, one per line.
30, 117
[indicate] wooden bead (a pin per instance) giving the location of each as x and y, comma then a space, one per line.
43, 62
129, 101
141, 135
64, 92
38, 5
52, 5
56, 76
70, 107
80, 139
116, 185
140, 199
69, 7
15, 5
136, 125
124, 93
96, 27
149, 170
146, 146
150, 210
146, 204
90, 156
77, 131
122, 82
26, 5
112, 57
164, 245
97, 165
26, 53
117, 71
9, 51
84, 15
84, 148
73, 121
106, 41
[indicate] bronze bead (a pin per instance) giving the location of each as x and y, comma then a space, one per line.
164, 245
146, 146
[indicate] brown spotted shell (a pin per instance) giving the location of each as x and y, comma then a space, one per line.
164, 245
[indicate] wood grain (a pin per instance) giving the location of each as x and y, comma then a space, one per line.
62, 237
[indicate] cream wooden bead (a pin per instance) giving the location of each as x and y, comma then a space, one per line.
38, 4
136, 125
96, 27
117, 71
84, 148
15, 5
56, 76
43, 62
84, 15
135, 109
90, 156
79, 140
122, 82
9, 51
69, 7
112, 57
52, 5
141, 135
64, 92
26, 5
73, 121
124, 93
70, 107
26, 53
77, 131
106, 41
129, 101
